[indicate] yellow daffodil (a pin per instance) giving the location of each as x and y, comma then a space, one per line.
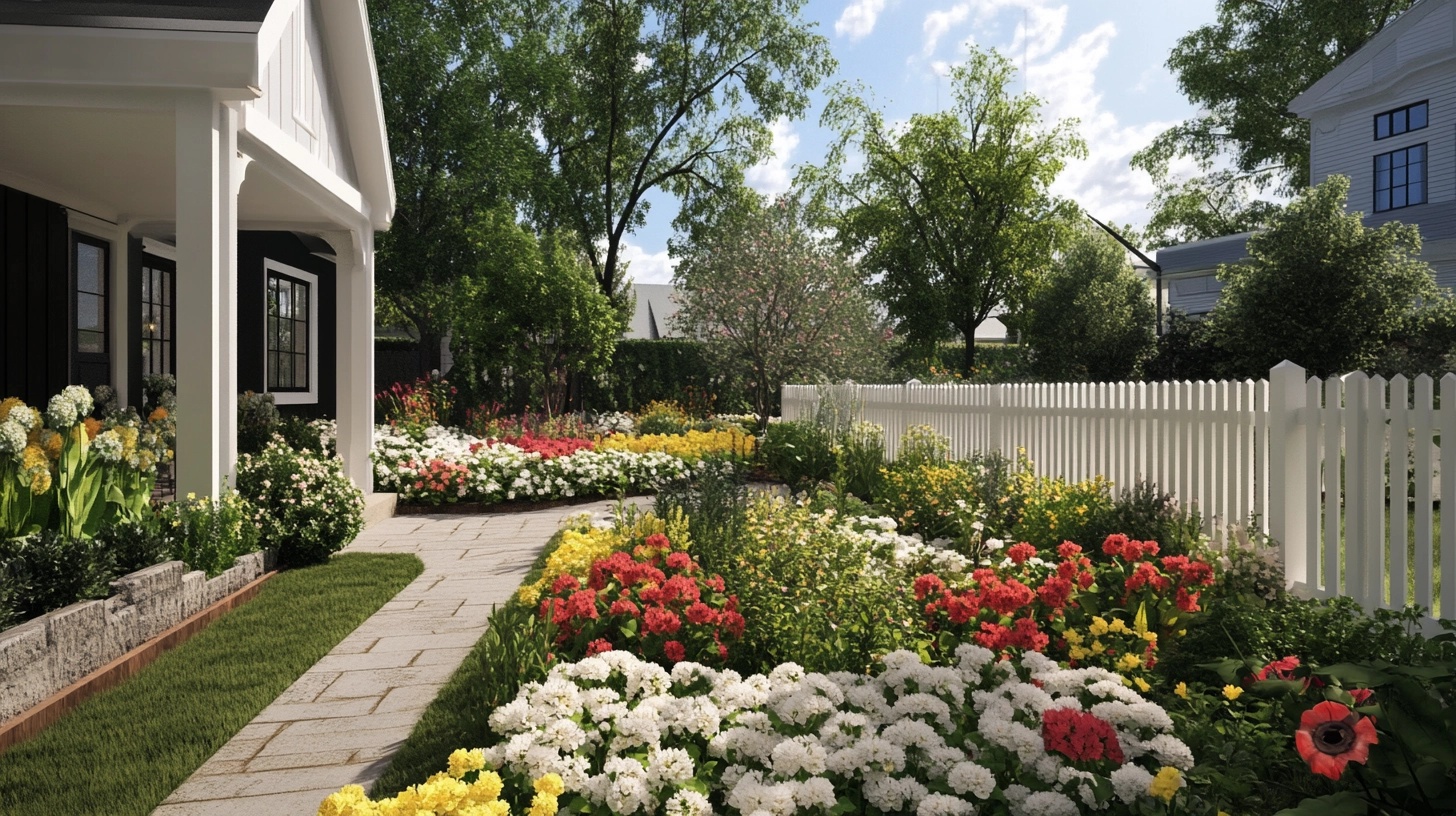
1232, 692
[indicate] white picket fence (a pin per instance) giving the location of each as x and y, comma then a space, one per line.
1305, 459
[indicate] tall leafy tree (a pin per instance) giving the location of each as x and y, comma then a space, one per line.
953, 212
1320, 288
636, 97
772, 299
461, 142
1242, 71
1092, 316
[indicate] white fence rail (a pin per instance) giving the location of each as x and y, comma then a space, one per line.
1343, 472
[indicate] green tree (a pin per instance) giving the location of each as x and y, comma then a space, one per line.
1242, 71
638, 96
1319, 288
1206, 206
461, 144
1092, 316
535, 313
770, 298
953, 211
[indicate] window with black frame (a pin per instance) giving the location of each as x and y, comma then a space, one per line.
1400, 178
90, 339
159, 352
288, 332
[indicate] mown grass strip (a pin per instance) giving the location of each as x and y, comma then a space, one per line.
124, 751
509, 654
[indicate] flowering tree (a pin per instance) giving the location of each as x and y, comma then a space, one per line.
768, 295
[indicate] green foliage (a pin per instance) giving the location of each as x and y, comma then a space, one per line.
922, 446
799, 452
644, 371
1144, 513
953, 211
633, 98
1053, 510
1091, 317
121, 753
663, 417
258, 418
208, 534
773, 300
1424, 344
933, 499
1209, 205
135, 544
715, 504
49, 570
535, 315
1185, 351
1243, 70
1319, 288
859, 460
305, 507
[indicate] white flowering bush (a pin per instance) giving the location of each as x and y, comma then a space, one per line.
1024, 737
306, 508
445, 465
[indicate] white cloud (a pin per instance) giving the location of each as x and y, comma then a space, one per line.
647, 267
859, 18
939, 23
771, 176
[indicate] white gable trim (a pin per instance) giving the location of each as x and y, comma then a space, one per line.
1313, 97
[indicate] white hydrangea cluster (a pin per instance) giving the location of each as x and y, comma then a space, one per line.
613, 422
20, 420
913, 739
502, 472
67, 408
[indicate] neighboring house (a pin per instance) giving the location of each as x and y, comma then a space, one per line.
193, 189
652, 319
1386, 118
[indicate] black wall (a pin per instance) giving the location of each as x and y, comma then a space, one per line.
286, 248
35, 273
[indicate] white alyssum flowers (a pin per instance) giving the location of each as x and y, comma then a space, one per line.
631, 737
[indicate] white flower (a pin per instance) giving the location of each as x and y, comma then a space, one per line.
1130, 782
939, 804
968, 777
688, 803
1046, 803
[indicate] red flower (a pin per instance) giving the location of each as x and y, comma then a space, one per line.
674, 651
928, 585
1068, 550
1187, 601
597, 647
1361, 695
1080, 736
1008, 597
700, 613
1114, 544
1019, 553
564, 583
658, 541
733, 623
679, 561
623, 606
1026, 634
715, 583
1055, 592
1331, 736
661, 621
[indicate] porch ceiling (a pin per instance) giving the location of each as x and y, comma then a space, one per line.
120, 165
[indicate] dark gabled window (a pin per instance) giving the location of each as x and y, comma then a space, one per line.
1400, 120
287, 332
1400, 178
92, 260
159, 351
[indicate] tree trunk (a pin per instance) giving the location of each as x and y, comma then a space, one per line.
429, 351
968, 360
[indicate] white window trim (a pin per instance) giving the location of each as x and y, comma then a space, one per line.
309, 397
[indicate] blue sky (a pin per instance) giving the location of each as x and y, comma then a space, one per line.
1099, 61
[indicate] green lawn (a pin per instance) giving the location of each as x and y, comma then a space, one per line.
507, 656
125, 750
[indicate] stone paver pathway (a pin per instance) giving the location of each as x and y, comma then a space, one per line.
343, 719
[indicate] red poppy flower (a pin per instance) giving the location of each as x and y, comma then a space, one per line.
1331, 736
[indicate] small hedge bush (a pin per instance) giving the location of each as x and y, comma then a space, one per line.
305, 507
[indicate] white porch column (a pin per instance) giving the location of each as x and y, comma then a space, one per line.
355, 383
206, 293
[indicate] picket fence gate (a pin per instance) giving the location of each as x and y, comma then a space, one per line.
1334, 470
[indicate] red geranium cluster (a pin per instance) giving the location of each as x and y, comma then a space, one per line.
655, 602
1080, 736
1005, 611
548, 447
444, 481
1185, 576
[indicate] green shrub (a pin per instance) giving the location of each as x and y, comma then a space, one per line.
209, 534
1054, 510
860, 460
135, 544
258, 418
935, 500
49, 570
1142, 512
666, 418
922, 445
799, 452
715, 503
991, 484
301, 434
305, 507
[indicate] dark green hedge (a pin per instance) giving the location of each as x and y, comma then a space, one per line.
647, 370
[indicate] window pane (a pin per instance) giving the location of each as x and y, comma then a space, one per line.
164, 282
89, 264
164, 361
147, 284
1397, 159
88, 312
166, 323
300, 370
1399, 125
1382, 200
1417, 192
1418, 116
300, 337
1397, 177
1397, 197
90, 342
300, 301
1417, 154
1382, 126
1382, 162
1382, 179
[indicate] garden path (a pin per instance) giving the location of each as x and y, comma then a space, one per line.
340, 723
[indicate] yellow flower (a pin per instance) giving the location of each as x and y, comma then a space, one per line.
550, 784
1166, 784
542, 804
51, 442
486, 787
191, 497
1099, 627
9, 404
463, 762
1118, 627
1129, 661
1141, 684
1181, 690
1079, 653
40, 482
1097, 647
1232, 692
347, 801
1073, 637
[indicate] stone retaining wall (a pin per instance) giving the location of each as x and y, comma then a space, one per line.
42, 656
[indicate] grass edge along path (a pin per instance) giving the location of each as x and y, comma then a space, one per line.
510, 654
123, 751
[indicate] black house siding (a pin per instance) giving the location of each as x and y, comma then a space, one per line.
284, 247
35, 274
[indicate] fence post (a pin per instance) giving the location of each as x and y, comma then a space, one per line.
993, 417
1288, 481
